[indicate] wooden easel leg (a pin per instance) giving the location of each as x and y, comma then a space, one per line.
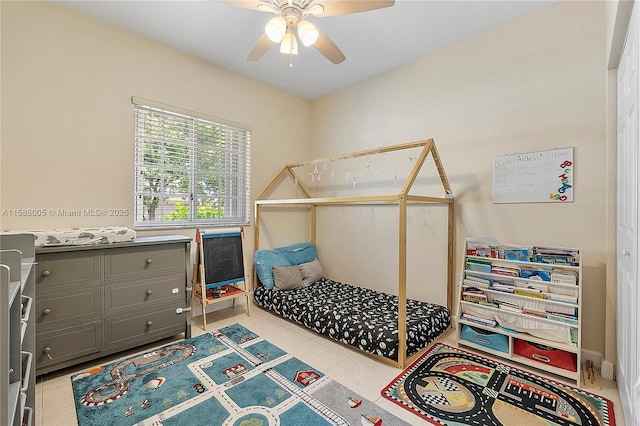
204, 314
194, 284
191, 304
203, 293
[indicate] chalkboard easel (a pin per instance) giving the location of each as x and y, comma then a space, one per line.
218, 271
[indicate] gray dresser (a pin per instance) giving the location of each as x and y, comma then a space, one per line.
93, 301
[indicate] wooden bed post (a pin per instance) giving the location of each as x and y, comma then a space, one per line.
450, 258
256, 241
402, 282
450, 225
313, 223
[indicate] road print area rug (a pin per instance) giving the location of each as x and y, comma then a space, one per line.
227, 377
449, 386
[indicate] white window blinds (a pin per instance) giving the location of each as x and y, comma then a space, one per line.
189, 171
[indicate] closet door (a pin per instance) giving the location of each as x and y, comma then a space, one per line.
628, 368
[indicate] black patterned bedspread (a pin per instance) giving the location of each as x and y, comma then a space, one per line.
357, 316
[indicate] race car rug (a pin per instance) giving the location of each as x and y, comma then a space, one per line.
449, 386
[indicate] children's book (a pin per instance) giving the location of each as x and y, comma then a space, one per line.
516, 252
480, 320
478, 265
482, 247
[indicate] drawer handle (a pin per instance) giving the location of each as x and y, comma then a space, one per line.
46, 311
149, 292
149, 323
541, 358
149, 261
46, 273
47, 352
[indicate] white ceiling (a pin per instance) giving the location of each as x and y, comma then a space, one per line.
373, 42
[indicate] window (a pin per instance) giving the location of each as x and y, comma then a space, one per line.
189, 170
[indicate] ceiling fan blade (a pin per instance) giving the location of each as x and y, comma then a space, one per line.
334, 7
328, 48
250, 4
262, 45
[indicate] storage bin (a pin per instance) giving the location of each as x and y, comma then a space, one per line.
495, 341
556, 357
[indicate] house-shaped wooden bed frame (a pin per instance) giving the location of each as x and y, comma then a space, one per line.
401, 199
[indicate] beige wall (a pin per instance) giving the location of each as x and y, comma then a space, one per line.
536, 83
533, 84
67, 133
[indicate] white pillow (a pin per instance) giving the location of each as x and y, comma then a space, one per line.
311, 272
287, 277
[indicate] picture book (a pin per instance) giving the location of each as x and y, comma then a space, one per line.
516, 252
474, 296
556, 256
506, 270
478, 279
563, 276
534, 312
530, 293
508, 288
479, 320
563, 318
467, 282
478, 266
535, 272
482, 247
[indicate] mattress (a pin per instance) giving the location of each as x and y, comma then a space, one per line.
357, 316
80, 236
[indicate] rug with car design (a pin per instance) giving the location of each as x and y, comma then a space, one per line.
453, 387
230, 376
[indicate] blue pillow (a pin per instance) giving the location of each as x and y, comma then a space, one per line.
296, 254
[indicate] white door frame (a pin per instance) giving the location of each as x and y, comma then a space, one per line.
627, 222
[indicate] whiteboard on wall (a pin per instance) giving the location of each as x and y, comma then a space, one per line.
534, 177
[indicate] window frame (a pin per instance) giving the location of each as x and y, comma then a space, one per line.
231, 141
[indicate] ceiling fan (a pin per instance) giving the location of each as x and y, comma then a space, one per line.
290, 16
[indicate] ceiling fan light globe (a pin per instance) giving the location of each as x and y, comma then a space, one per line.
307, 32
289, 45
275, 29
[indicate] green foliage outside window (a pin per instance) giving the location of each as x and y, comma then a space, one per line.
203, 212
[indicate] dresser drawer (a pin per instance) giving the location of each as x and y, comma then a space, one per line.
143, 260
72, 305
139, 295
142, 328
65, 344
68, 268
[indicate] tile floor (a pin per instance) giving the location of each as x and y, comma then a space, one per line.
54, 398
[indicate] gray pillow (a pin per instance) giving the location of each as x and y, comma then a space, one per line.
287, 277
311, 272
